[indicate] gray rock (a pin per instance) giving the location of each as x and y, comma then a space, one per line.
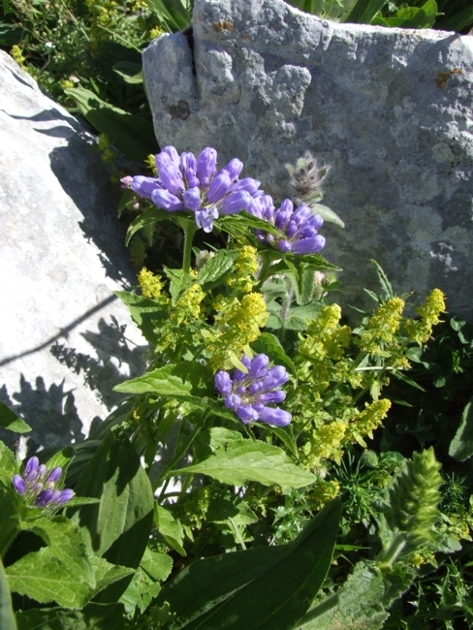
65, 339
388, 109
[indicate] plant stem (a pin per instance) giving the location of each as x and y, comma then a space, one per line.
189, 228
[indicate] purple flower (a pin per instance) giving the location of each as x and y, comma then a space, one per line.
249, 395
299, 228
185, 182
38, 485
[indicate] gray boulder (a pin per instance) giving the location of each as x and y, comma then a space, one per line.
65, 338
388, 109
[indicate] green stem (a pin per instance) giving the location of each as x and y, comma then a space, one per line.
388, 557
189, 228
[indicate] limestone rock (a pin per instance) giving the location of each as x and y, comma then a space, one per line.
65, 338
388, 109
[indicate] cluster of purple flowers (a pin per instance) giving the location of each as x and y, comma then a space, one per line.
298, 227
186, 182
38, 485
249, 395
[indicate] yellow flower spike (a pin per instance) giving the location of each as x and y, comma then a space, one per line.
151, 285
383, 325
188, 305
246, 265
367, 421
429, 312
17, 55
150, 162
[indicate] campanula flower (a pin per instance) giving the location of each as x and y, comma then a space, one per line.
299, 227
37, 485
185, 182
249, 395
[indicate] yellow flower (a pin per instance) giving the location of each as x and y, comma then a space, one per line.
151, 285
383, 326
242, 276
367, 421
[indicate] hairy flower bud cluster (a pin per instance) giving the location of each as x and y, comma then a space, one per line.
299, 227
185, 182
37, 485
249, 395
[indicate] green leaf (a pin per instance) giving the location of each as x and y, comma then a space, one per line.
9, 516
133, 135
59, 572
327, 214
365, 10
139, 593
170, 529
146, 313
8, 465
7, 616
244, 461
180, 281
172, 13
461, 447
149, 217
118, 526
183, 380
158, 565
10, 34
107, 573
459, 21
362, 603
299, 316
92, 617
225, 507
383, 280
130, 72
218, 265
10, 421
268, 587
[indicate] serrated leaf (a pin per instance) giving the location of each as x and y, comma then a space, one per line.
59, 572
181, 380
169, 528
299, 317
245, 461
8, 465
139, 593
149, 217
269, 587
218, 265
10, 421
107, 573
158, 565
7, 616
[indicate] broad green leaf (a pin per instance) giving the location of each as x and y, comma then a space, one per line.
269, 587
146, 313
7, 616
118, 526
247, 461
9, 516
362, 603
183, 380
10, 421
133, 135
236, 224
225, 507
210, 440
286, 435
170, 529
180, 281
59, 572
107, 573
92, 617
139, 593
62, 459
149, 217
158, 565
461, 447
130, 72
299, 316
8, 465
218, 265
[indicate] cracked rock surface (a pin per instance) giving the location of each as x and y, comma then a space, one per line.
390, 110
